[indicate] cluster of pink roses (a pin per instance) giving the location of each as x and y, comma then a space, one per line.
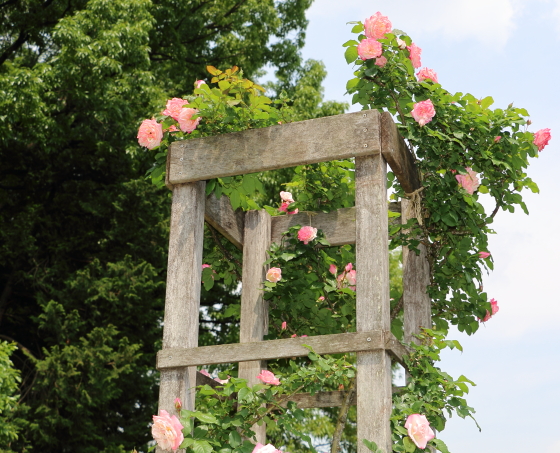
287, 200
347, 278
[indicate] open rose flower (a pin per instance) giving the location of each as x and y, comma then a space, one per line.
174, 107
495, 309
306, 234
347, 280
414, 52
369, 48
377, 25
287, 197
427, 73
186, 123
542, 138
483, 255
274, 274
150, 134
166, 431
268, 448
419, 430
198, 83
423, 112
381, 61
469, 182
268, 378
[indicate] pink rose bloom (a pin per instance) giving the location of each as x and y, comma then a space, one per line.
348, 267
198, 83
284, 325
495, 309
174, 107
150, 134
483, 255
306, 234
322, 298
469, 182
497, 138
284, 208
185, 122
347, 279
178, 404
377, 25
274, 274
287, 197
294, 335
268, 378
419, 430
351, 278
166, 431
427, 73
415, 52
381, 61
541, 138
268, 448
332, 269
423, 112
369, 48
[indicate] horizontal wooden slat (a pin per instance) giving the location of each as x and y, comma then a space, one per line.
397, 155
324, 399
287, 145
338, 226
220, 215
279, 349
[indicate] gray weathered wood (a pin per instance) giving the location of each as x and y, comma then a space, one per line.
287, 145
182, 298
324, 399
397, 154
220, 215
373, 380
254, 309
416, 278
338, 226
273, 349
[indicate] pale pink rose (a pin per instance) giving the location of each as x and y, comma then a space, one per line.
178, 404
284, 325
347, 279
332, 269
427, 73
419, 430
198, 83
381, 61
415, 52
495, 309
322, 298
284, 208
401, 44
174, 107
166, 431
497, 138
483, 255
185, 122
307, 233
541, 138
268, 378
351, 278
369, 48
469, 182
423, 112
287, 197
274, 274
348, 267
268, 448
377, 25
150, 134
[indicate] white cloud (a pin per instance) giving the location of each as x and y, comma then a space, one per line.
489, 21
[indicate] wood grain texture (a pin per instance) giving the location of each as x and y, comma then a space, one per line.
416, 278
254, 309
338, 226
220, 215
271, 349
287, 145
324, 399
397, 154
182, 298
373, 380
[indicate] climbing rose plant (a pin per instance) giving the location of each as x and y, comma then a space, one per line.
464, 151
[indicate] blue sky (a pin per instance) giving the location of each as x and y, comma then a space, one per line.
507, 49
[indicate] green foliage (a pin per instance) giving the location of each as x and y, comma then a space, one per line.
9, 383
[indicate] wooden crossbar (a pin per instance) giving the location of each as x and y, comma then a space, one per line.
280, 349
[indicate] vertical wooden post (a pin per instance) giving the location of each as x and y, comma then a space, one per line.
254, 310
182, 298
416, 278
372, 301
